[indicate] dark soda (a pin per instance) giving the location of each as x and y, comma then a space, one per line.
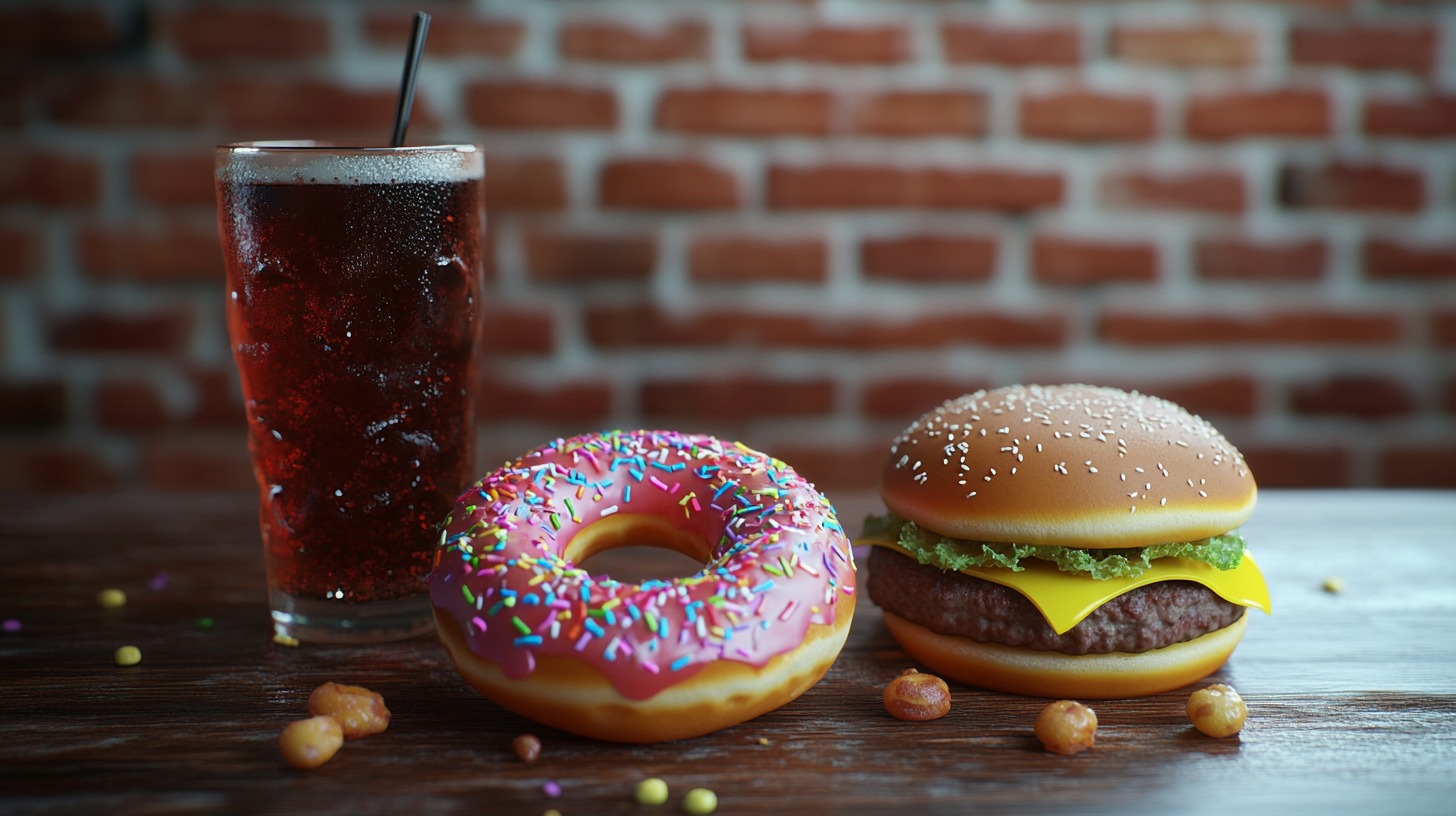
352, 308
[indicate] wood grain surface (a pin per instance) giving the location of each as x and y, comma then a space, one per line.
1352, 695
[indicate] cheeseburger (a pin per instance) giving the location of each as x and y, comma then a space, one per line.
1065, 541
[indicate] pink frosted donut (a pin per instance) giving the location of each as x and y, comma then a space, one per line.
658, 660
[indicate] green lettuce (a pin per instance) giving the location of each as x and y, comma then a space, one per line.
1222, 551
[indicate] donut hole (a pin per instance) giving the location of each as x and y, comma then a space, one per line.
633, 549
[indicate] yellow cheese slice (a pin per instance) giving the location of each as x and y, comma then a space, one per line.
1065, 598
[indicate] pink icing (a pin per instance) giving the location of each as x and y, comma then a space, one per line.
780, 560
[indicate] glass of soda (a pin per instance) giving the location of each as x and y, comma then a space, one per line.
353, 289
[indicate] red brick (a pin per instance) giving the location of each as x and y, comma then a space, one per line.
120, 98
513, 328
1391, 260
844, 45
540, 105
137, 404
1347, 186
1019, 46
1359, 397
58, 33
1253, 261
215, 399
211, 33
453, 33
1253, 114
834, 465
130, 405
1432, 117
58, 468
853, 186
569, 403
174, 179
175, 252
1231, 395
609, 41
1195, 46
904, 398
290, 108
524, 184
1289, 466
1067, 261
1277, 327
32, 404
745, 112
52, 180
22, 253
735, 398
1365, 47
197, 463
1088, 116
743, 258
1419, 465
646, 326
667, 184
1212, 191
929, 258
1443, 328
99, 331
576, 258
917, 114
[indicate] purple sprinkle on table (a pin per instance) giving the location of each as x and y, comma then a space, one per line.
12, 624
551, 789
158, 582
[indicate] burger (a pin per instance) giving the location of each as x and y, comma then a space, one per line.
1065, 541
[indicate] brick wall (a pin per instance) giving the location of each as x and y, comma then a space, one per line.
800, 224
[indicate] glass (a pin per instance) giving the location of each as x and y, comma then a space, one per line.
353, 281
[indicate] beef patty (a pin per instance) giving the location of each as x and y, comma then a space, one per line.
953, 603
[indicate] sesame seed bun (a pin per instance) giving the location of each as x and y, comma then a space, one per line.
1067, 465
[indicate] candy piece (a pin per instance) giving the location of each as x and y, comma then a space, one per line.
111, 598
128, 656
652, 791
700, 802
527, 747
312, 742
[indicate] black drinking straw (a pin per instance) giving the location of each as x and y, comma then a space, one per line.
407, 83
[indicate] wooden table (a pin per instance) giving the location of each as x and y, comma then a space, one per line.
1352, 695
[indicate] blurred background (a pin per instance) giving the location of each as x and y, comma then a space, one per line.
799, 224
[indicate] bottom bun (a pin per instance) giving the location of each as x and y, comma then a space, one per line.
1053, 674
574, 696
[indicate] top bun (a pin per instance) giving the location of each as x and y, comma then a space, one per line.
1067, 465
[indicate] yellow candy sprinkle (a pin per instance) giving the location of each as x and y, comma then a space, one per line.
1333, 584
651, 791
111, 598
285, 640
700, 802
128, 656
